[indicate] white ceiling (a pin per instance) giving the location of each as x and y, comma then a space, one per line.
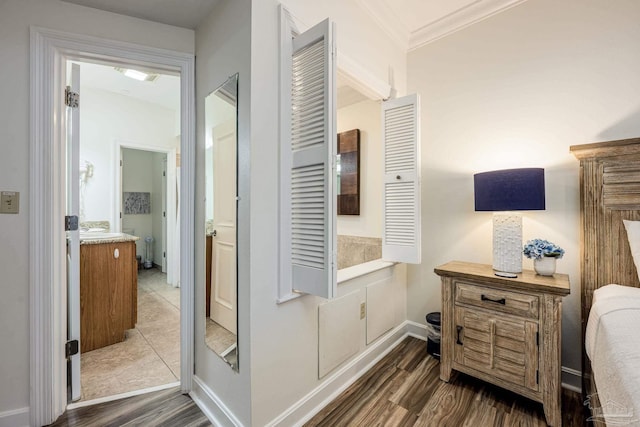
164, 91
411, 23
180, 13
414, 23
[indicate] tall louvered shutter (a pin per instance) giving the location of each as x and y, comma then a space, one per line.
401, 220
312, 158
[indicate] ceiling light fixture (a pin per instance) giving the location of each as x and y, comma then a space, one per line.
137, 75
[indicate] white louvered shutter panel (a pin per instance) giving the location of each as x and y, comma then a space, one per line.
401, 220
313, 151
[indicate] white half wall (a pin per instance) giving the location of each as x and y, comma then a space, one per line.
16, 16
516, 90
284, 337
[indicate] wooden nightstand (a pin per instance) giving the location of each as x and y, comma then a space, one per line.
504, 331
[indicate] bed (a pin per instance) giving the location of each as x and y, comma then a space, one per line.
610, 291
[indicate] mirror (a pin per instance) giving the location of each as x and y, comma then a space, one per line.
348, 170
221, 184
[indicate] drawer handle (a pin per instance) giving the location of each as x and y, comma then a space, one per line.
459, 329
502, 301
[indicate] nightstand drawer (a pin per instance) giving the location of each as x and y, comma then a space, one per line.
515, 303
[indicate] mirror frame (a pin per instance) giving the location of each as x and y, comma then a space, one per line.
210, 233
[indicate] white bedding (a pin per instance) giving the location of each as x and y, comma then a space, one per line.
612, 342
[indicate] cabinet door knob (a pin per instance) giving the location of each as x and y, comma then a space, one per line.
116, 253
459, 329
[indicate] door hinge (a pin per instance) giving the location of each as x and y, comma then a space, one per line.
164, 214
71, 348
537, 376
538, 339
71, 99
164, 254
70, 223
120, 163
164, 173
120, 215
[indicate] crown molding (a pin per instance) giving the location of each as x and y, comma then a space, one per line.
389, 21
472, 13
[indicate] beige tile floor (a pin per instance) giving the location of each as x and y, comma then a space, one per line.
222, 342
218, 338
150, 354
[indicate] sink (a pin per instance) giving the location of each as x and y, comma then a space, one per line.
98, 235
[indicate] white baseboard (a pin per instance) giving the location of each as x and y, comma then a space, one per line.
572, 379
416, 330
212, 406
15, 418
305, 408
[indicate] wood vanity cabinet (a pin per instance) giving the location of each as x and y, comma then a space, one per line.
504, 331
108, 293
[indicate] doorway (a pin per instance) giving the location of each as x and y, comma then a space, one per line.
48, 317
125, 187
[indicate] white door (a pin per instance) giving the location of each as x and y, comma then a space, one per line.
164, 214
73, 237
223, 254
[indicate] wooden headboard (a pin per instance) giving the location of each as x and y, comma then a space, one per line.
609, 193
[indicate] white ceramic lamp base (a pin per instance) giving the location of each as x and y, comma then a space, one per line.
507, 242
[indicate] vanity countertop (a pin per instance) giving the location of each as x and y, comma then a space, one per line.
96, 238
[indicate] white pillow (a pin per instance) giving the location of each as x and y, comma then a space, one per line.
633, 236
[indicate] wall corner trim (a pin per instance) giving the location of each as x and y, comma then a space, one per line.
211, 405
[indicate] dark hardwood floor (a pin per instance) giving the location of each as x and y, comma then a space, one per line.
167, 408
404, 389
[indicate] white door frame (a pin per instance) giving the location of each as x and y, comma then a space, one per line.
118, 145
49, 51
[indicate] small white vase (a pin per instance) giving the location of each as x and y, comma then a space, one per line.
545, 266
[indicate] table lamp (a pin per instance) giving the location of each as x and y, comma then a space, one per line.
503, 192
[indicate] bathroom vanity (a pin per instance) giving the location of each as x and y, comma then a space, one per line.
108, 289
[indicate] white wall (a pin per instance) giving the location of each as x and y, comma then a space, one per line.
141, 173
107, 117
136, 177
223, 48
365, 116
15, 18
517, 90
358, 38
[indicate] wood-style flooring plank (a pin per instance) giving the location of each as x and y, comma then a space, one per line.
404, 389
419, 386
165, 408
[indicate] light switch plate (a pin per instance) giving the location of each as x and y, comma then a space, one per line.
9, 202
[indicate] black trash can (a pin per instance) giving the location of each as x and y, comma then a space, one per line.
433, 334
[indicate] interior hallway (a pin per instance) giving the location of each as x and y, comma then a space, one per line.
150, 354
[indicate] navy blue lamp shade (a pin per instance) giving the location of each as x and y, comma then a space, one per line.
510, 190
